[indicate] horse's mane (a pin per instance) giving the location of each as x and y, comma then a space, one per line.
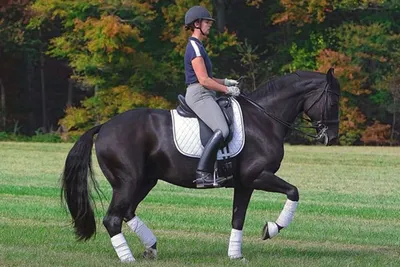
273, 86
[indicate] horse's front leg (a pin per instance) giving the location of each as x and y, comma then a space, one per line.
268, 181
241, 200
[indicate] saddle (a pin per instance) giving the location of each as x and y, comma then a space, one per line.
225, 104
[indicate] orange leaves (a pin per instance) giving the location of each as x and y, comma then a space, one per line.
351, 117
345, 69
377, 134
352, 122
301, 12
255, 3
107, 34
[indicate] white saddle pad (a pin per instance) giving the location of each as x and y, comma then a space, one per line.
187, 134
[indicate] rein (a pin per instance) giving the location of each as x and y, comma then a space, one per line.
319, 124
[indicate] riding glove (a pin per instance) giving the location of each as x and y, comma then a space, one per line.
233, 90
230, 82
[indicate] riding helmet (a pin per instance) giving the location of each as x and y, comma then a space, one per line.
195, 13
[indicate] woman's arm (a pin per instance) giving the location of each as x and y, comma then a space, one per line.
220, 81
202, 76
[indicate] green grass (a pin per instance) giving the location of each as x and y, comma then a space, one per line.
348, 214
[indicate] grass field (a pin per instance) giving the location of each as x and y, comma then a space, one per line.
348, 214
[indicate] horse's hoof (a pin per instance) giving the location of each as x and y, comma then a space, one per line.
269, 231
150, 254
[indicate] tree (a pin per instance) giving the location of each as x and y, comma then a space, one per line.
359, 42
394, 87
3, 105
221, 7
16, 42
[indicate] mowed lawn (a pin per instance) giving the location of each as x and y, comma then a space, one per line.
349, 214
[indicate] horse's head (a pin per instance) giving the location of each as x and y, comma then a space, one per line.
322, 106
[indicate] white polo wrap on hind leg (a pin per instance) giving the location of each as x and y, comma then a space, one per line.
235, 244
121, 247
287, 214
143, 232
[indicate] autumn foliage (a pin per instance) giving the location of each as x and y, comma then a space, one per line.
122, 54
376, 134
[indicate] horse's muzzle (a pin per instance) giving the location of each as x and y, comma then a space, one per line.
333, 141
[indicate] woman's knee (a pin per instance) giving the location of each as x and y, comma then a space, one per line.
225, 131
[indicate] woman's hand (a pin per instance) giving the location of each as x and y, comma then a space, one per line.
230, 82
233, 90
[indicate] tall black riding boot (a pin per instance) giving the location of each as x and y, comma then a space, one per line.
205, 168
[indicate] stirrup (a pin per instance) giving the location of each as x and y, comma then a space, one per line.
207, 180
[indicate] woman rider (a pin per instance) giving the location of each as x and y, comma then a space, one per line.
201, 91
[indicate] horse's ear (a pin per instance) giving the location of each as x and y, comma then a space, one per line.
329, 75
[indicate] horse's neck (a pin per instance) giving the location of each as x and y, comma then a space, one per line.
285, 101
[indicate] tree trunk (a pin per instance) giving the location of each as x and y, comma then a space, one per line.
30, 73
44, 108
70, 92
393, 122
220, 9
3, 105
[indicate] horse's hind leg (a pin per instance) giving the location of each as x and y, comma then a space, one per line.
113, 222
124, 179
145, 235
270, 182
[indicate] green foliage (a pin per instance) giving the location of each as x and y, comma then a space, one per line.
254, 68
38, 137
140, 44
360, 4
105, 105
304, 57
46, 138
381, 97
5, 136
98, 38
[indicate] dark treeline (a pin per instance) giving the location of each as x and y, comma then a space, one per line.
66, 65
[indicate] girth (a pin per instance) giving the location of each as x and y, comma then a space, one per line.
225, 104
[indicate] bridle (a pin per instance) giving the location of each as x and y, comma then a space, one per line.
321, 125
323, 122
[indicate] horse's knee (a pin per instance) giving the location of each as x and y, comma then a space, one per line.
113, 225
293, 194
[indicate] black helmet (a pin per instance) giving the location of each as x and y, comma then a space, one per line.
195, 13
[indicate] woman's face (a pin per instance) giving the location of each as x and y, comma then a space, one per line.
206, 25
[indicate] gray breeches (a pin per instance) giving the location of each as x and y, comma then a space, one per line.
203, 102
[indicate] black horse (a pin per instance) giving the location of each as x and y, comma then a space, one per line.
136, 149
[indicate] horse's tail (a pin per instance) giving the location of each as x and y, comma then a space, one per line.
74, 188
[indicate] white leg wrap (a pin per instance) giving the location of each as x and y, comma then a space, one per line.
287, 213
235, 244
272, 229
143, 232
121, 247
